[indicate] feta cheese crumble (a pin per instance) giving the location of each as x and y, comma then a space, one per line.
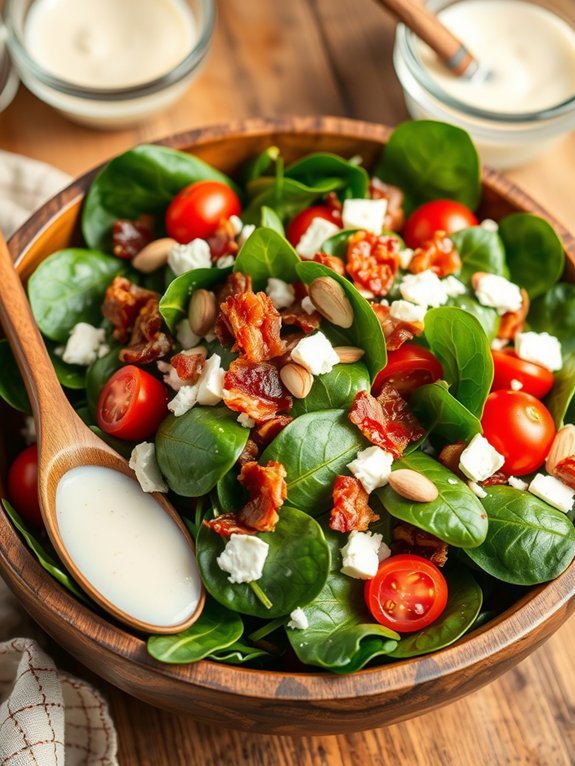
243, 558
552, 491
372, 467
479, 460
281, 294
365, 214
184, 400
195, 255
211, 382
498, 293
84, 344
316, 354
540, 348
425, 289
489, 225
245, 234
307, 305
298, 619
236, 223
453, 286
477, 489
360, 555
143, 463
224, 261
405, 257
313, 238
185, 336
498, 344
407, 312
517, 483
245, 421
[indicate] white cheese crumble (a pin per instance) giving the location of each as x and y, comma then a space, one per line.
365, 214
316, 354
143, 462
314, 236
185, 336
171, 377
307, 305
194, 255
498, 344
406, 311
225, 260
425, 289
479, 460
298, 619
83, 345
454, 286
517, 483
360, 555
552, 491
372, 467
281, 294
498, 293
243, 558
211, 382
489, 225
515, 385
245, 234
540, 348
237, 224
245, 421
405, 257
184, 400
477, 489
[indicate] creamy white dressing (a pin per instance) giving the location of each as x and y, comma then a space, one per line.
126, 546
529, 50
109, 43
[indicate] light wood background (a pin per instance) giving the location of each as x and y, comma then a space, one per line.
273, 57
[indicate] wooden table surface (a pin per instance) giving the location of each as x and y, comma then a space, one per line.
325, 57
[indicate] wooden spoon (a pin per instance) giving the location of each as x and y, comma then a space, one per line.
64, 441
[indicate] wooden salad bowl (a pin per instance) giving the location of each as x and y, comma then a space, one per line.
257, 700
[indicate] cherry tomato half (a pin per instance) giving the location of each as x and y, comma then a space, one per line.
301, 223
535, 379
408, 368
23, 486
438, 215
132, 404
197, 210
520, 428
408, 593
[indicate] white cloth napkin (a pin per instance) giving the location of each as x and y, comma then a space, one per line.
47, 718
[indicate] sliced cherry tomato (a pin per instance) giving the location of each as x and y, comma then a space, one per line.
301, 223
197, 210
438, 215
407, 368
535, 379
408, 593
132, 404
23, 486
520, 428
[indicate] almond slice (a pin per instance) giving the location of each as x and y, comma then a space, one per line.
202, 311
413, 486
348, 354
563, 446
296, 379
330, 300
154, 255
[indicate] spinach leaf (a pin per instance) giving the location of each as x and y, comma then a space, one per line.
239, 653
68, 287
480, 250
456, 516
259, 165
314, 449
98, 374
267, 254
286, 196
271, 220
142, 180
560, 400
528, 541
442, 414
322, 165
554, 313
365, 331
535, 254
216, 628
294, 573
459, 342
12, 388
488, 318
195, 450
463, 605
334, 390
231, 495
431, 160
70, 375
337, 243
174, 302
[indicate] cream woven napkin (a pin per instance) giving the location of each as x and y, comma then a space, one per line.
47, 718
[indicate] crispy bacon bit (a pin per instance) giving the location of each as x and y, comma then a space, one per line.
386, 420
295, 315
565, 471
129, 237
235, 283
255, 323
497, 479
372, 261
450, 456
396, 331
438, 255
255, 389
229, 524
267, 491
410, 539
394, 216
514, 321
148, 341
123, 302
249, 453
266, 432
333, 202
188, 366
223, 240
331, 261
350, 509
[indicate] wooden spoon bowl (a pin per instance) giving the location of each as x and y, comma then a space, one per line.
266, 701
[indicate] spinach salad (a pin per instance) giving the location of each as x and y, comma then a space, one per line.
357, 393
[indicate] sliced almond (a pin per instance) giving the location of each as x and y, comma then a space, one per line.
563, 446
202, 312
413, 486
296, 379
154, 255
330, 300
348, 354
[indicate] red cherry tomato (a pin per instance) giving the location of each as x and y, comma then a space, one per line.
408, 593
520, 428
437, 215
132, 404
23, 486
301, 223
197, 210
408, 368
535, 379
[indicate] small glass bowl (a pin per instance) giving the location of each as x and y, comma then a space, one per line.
503, 140
107, 107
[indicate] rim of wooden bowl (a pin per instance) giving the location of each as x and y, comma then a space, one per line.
511, 635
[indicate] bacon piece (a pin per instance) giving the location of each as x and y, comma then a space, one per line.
350, 508
497, 479
122, 304
249, 453
372, 261
223, 240
386, 420
188, 366
565, 471
396, 331
148, 341
513, 322
395, 215
331, 261
438, 255
267, 491
296, 316
129, 237
229, 524
450, 456
333, 203
235, 283
255, 389
255, 323
409, 539
266, 432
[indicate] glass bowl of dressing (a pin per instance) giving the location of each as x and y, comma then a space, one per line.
108, 63
523, 97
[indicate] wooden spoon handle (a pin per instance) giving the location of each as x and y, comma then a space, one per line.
417, 16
